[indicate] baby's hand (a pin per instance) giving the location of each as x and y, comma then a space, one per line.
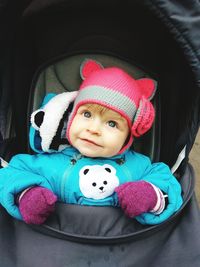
36, 204
136, 198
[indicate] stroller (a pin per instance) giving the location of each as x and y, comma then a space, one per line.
42, 45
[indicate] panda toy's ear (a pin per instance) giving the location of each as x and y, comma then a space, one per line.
37, 118
109, 168
84, 170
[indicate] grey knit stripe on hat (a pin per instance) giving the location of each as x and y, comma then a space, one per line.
109, 97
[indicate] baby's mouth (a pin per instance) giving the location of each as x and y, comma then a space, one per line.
90, 141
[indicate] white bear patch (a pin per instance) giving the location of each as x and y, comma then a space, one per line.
98, 182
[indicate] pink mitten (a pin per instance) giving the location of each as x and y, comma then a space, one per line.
36, 204
136, 198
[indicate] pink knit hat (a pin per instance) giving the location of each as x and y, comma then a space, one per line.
115, 89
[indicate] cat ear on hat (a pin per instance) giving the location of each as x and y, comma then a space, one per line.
88, 66
148, 87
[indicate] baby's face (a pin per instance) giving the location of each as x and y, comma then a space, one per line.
98, 132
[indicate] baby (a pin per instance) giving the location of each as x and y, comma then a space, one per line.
98, 168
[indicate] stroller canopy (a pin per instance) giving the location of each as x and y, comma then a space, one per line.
160, 36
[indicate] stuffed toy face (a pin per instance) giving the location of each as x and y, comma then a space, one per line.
98, 182
48, 124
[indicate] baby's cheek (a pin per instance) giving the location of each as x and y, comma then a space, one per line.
114, 147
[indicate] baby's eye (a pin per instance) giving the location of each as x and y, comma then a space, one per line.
112, 124
87, 114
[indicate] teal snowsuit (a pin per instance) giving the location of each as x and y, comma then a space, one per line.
74, 179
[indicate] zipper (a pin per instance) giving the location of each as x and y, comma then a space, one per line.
67, 173
64, 179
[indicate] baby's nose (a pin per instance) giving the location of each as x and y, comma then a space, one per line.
94, 127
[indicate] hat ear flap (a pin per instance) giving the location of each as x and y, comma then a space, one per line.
88, 66
144, 118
